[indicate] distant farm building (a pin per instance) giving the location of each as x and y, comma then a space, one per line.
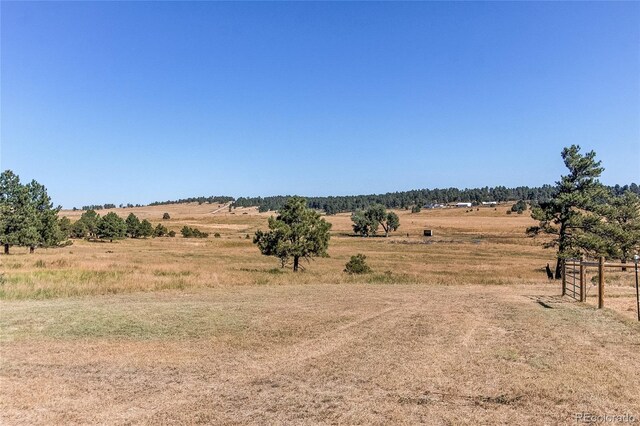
428, 233
463, 204
433, 206
489, 203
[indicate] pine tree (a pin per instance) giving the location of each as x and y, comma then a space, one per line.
89, 222
572, 209
65, 227
46, 217
160, 231
146, 229
619, 232
296, 233
17, 219
111, 227
133, 226
27, 216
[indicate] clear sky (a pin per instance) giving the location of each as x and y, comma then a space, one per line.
140, 101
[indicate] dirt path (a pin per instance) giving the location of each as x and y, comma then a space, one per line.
383, 354
226, 206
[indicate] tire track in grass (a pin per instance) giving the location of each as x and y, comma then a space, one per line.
289, 359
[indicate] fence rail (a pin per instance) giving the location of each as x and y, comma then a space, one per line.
606, 265
574, 282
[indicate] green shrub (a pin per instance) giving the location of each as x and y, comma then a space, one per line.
160, 231
519, 207
188, 232
216, 235
357, 265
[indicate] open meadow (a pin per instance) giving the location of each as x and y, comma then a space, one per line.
459, 328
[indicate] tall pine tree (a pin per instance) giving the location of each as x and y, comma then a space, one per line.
296, 233
571, 213
27, 217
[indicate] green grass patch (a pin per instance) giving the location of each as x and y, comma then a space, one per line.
386, 277
122, 322
48, 283
161, 273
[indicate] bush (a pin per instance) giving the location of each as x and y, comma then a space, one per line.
166, 216
160, 231
172, 233
216, 235
519, 207
357, 265
415, 209
188, 232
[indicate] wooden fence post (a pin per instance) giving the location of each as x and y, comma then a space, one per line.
601, 283
583, 281
564, 275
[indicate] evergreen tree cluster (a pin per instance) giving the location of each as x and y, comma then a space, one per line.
413, 199
112, 227
98, 206
419, 197
404, 199
213, 199
188, 232
27, 216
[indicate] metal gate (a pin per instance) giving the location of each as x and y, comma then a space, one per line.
572, 284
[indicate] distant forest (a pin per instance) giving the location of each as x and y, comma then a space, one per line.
391, 200
217, 199
402, 199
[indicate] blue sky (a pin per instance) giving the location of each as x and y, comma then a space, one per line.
138, 102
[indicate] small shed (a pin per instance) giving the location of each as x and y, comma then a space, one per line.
428, 232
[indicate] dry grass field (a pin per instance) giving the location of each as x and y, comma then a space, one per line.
459, 328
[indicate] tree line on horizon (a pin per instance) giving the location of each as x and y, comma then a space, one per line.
213, 199
418, 198
218, 199
409, 200
107, 206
